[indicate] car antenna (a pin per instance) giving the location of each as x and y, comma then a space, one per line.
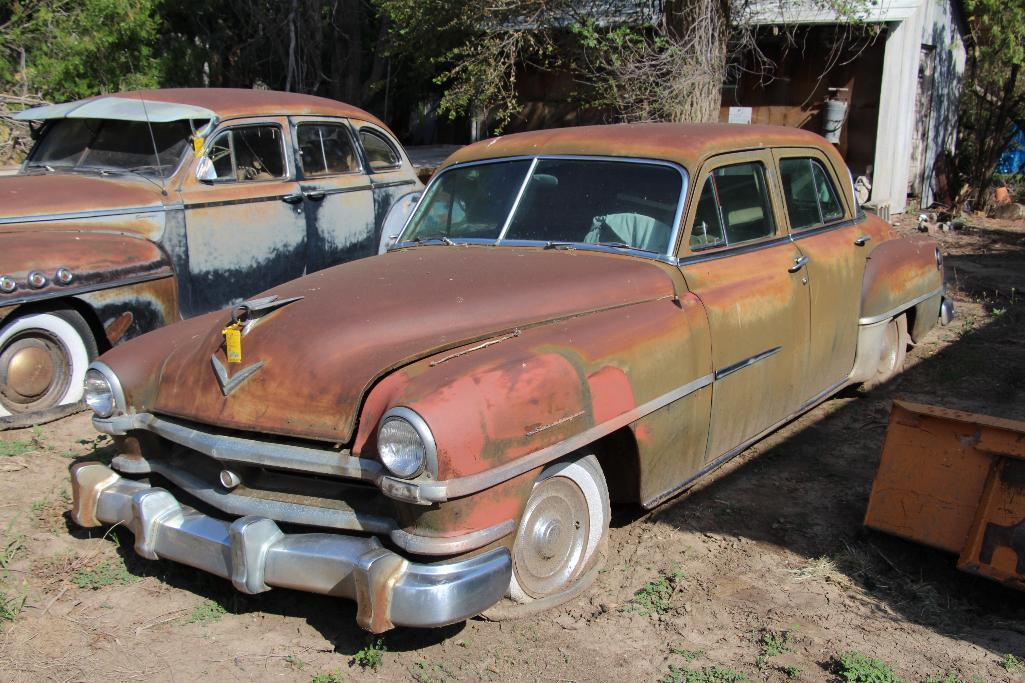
153, 139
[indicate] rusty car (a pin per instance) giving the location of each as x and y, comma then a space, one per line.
138, 209
569, 319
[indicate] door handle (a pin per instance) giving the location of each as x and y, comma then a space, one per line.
861, 241
799, 262
314, 195
293, 198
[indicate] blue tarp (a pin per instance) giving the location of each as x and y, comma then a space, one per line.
1013, 158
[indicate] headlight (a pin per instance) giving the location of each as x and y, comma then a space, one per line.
98, 393
405, 443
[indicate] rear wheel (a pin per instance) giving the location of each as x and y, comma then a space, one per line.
43, 359
564, 526
891, 354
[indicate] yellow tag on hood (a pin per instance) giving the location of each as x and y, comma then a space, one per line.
233, 342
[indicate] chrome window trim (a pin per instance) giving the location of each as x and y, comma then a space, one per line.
516, 202
373, 130
300, 173
291, 173
668, 256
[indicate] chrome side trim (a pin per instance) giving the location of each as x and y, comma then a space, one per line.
72, 291
393, 183
729, 455
903, 307
463, 486
256, 555
77, 215
740, 365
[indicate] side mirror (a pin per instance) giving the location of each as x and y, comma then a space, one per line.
396, 218
205, 171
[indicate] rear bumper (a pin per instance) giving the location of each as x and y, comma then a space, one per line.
254, 554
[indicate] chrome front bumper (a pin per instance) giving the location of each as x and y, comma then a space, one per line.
254, 554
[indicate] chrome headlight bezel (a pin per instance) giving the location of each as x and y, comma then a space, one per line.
428, 465
114, 384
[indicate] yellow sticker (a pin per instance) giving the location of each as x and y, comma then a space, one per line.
233, 342
197, 144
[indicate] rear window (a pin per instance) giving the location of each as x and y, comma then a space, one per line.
810, 195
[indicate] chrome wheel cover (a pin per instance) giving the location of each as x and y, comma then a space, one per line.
548, 553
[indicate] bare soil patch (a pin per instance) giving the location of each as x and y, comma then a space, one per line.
764, 569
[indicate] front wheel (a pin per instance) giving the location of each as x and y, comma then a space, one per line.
563, 527
43, 359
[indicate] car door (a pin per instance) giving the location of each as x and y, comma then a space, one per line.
338, 195
822, 226
244, 223
738, 259
391, 174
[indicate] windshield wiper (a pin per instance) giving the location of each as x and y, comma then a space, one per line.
433, 238
106, 170
559, 245
623, 245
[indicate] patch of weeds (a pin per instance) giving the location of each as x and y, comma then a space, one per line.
967, 327
951, 678
50, 513
1011, 663
10, 546
791, 671
106, 573
370, 657
9, 449
429, 673
656, 597
295, 663
706, 674
11, 605
206, 612
328, 677
689, 655
774, 643
854, 667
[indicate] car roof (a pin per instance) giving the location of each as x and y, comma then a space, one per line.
687, 144
229, 103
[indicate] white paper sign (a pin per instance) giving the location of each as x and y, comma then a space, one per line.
740, 115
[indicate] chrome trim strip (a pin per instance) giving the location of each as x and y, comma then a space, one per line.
903, 307
729, 455
392, 183
249, 451
99, 213
740, 365
451, 545
235, 202
516, 202
72, 291
463, 486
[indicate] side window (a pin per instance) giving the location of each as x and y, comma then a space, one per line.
325, 149
247, 153
380, 153
810, 195
707, 230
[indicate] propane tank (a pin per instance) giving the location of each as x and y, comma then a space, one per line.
834, 112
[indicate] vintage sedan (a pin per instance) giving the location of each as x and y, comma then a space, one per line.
139, 209
570, 318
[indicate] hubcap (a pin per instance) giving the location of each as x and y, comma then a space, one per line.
34, 371
549, 548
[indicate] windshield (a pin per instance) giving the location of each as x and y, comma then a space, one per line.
565, 201
110, 145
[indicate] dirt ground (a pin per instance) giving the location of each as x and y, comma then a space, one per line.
763, 570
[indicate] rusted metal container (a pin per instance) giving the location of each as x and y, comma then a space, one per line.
955, 481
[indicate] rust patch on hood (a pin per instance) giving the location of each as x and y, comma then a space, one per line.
363, 319
32, 196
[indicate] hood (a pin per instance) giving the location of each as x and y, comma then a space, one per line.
94, 259
27, 198
360, 320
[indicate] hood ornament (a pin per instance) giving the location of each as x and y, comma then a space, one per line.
230, 384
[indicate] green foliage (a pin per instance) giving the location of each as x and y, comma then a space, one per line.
370, 657
791, 671
951, 678
328, 677
74, 49
1011, 663
656, 596
11, 605
206, 612
106, 573
706, 674
689, 655
773, 643
9, 449
854, 667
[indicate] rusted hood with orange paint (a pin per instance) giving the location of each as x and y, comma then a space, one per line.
358, 321
32, 198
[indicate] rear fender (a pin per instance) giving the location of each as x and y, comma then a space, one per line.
900, 273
